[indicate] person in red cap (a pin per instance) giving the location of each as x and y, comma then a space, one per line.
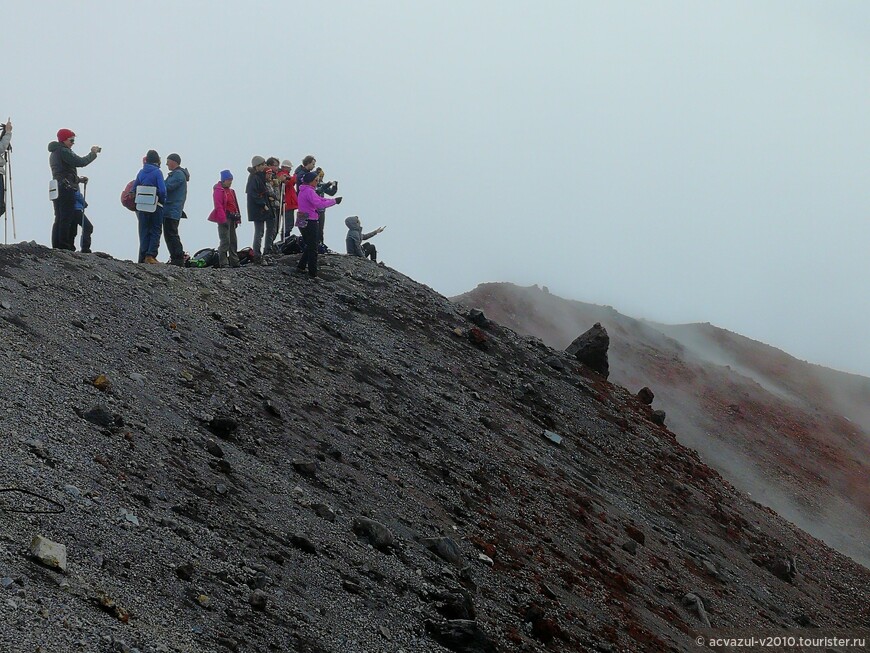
64, 169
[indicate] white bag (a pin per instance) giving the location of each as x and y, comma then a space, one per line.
146, 199
53, 191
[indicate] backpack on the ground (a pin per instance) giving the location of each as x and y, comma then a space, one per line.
205, 258
128, 197
246, 256
290, 245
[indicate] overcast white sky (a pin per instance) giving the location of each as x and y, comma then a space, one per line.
678, 160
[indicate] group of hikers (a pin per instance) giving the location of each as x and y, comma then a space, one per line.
279, 198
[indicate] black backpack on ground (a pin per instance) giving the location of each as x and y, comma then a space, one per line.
246, 256
290, 245
204, 258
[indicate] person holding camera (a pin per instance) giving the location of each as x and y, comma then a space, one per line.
64, 169
323, 188
307, 220
307, 165
5, 145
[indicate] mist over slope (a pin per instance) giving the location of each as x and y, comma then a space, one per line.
795, 436
252, 461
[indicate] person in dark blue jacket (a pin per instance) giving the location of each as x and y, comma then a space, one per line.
150, 224
176, 196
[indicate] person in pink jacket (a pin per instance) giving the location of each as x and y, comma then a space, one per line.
227, 215
306, 219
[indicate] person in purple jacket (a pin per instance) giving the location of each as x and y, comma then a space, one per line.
150, 224
307, 221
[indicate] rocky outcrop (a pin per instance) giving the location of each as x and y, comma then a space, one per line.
590, 348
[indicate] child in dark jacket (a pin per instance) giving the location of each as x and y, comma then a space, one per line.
355, 238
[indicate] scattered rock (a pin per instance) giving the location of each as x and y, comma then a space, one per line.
477, 317
555, 362
258, 600
590, 349
379, 536
102, 417
324, 511
635, 533
101, 382
214, 449
658, 417
553, 437
630, 546
478, 337
461, 635
302, 543
445, 548
51, 554
783, 569
645, 395
305, 467
185, 571
694, 603
224, 427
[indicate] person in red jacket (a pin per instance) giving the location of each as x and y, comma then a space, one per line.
228, 216
291, 199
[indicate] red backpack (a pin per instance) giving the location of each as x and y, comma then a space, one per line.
128, 197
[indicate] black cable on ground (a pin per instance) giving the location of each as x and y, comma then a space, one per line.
59, 507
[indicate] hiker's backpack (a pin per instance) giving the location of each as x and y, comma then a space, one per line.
291, 245
204, 258
128, 197
246, 256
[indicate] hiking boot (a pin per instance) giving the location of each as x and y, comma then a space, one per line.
298, 270
151, 260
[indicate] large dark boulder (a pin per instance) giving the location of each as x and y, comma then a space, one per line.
591, 349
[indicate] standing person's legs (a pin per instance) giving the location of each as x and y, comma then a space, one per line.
224, 246
310, 236
234, 246
155, 230
321, 222
55, 228
144, 224
87, 231
259, 227
289, 217
2, 195
271, 229
66, 202
173, 241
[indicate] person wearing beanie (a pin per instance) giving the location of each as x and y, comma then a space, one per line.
291, 198
150, 223
64, 170
227, 215
260, 209
355, 238
307, 221
173, 211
